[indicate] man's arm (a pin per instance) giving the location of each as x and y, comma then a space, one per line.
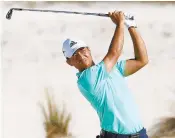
116, 45
141, 57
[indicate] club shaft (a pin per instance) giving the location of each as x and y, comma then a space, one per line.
60, 11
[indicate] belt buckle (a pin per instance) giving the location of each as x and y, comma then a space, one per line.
134, 135
102, 133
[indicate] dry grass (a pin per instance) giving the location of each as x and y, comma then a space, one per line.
165, 128
56, 122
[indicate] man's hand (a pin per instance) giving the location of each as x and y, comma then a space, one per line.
117, 17
128, 22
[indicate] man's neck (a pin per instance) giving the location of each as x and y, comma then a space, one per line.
92, 64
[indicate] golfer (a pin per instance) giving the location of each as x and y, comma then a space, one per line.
103, 84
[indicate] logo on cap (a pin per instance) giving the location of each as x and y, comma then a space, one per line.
72, 43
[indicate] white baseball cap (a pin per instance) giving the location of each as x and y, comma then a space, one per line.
71, 45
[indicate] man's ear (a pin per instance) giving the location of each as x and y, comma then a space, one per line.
69, 61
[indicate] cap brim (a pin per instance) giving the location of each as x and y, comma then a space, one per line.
76, 47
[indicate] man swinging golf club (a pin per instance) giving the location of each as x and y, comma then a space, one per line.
103, 84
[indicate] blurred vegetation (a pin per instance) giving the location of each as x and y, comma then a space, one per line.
56, 121
165, 128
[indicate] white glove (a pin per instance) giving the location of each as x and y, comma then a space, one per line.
129, 22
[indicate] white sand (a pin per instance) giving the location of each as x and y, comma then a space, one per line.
32, 60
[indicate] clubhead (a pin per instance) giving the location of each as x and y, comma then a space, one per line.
9, 14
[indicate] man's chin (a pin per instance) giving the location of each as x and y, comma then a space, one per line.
85, 65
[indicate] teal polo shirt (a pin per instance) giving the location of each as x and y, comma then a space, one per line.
110, 96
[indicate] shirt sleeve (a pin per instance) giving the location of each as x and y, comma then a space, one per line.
121, 66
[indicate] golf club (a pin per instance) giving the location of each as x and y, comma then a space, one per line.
9, 14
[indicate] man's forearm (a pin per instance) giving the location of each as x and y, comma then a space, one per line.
139, 46
116, 45
117, 41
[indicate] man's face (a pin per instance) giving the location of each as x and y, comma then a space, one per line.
81, 59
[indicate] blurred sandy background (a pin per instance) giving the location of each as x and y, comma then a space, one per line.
32, 61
